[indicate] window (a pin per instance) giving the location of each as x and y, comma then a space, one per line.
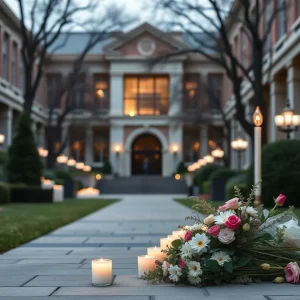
267, 28
101, 83
101, 144
21, 74
78, 91
77, 151
5, 52
14, 64
282, 20
146, 95
191, 144
53, 85
214, 91
191, 91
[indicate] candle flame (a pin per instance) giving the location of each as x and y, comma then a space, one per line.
257, 117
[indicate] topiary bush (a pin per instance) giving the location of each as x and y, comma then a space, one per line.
62, 174
206, 187
203, 174
181, 168
23, 163
280, 172
222, 173
230, 190
107, 169
4, 193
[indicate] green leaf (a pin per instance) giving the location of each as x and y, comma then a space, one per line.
243, 261
213, 265
176, 244
228, 267
230, 252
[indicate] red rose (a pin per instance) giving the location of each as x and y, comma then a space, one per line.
233, 222
181, 263
214, 230
188, 235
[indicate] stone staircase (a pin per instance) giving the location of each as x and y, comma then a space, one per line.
148, 184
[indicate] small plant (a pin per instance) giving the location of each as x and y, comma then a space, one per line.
107, 169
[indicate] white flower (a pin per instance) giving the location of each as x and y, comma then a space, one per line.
223, 216
186, 251
291, 233
196, 227
226, 236
266, 213
249, 210
221, 257
194, 280
175, 273
165, 267
194, 268
199, 243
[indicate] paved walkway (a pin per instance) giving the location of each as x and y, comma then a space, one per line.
58, 265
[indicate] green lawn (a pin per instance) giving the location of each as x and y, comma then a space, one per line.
189, 203
21, 223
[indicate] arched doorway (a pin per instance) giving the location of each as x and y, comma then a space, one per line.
146, 155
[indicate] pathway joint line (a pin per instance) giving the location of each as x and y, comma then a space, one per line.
54, 291
205, 291
68, 253
29, 280
267, 297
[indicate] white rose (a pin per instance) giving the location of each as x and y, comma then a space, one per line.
291, 233
226, 236
209, 220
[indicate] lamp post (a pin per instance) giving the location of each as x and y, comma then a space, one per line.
287, 122
175, 150
218, 154
117, 152
257, 121
239, 145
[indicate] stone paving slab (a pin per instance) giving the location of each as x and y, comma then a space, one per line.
82, 298
26, 291
15, 280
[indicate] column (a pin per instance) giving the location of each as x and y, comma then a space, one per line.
293, 86
116, 95
65, 139
175, 94
171, 161
6, 128
278, 95
88, 145
203, 140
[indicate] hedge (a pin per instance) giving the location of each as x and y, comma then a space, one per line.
206, 187
230, 190
280, 172
203, 174
222, 173
181, 168
4, 193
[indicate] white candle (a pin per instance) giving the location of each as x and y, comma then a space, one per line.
156, 251
145, 263
257, 159
58, 193
179, 234
166, 241
102, 272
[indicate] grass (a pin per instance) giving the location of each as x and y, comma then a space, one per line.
189, 203
21, 223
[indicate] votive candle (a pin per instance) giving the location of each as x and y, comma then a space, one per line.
145, 263
102, 272
179, 234
166, 241
156, 251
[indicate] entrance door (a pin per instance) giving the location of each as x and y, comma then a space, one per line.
146, 155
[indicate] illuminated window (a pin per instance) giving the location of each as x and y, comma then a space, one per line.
191, 91
77, 151
146, 95
101, 83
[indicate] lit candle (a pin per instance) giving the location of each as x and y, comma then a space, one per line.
58, 193
102, 272
156, 251
145, 263
166, 241
179, 234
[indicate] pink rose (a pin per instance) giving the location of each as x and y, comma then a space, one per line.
226, 236
280, 199
188, 235
233, 203
181, 263
222, 208
214, 230
233, 222
292, 272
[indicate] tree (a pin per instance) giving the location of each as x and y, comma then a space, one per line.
114, 18
213, 19
24, 164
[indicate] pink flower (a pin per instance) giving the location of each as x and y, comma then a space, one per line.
280, 199
223, 207
226, 236
209, 220
214, 230
292, 272
188, 235
181, 263
233, 222
233, 203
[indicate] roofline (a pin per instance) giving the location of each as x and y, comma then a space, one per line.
10, 15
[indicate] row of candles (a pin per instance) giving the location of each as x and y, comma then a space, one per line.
102, 268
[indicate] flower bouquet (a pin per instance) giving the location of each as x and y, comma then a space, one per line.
236, 243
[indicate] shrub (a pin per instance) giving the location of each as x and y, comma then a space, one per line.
30, 194
59, 181
3, 157
49, 174
230, 190
107, 169
24, 164
181, 168
222, 173
206, 187
4, 193
62, 174
203, 174
280, 172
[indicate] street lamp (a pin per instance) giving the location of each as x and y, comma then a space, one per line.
218, 153
87, 168
71, 162
2, 139
79, 165
239, 145
209, 159
287, 122
175, 149
42, 152
117, 151
62, 159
